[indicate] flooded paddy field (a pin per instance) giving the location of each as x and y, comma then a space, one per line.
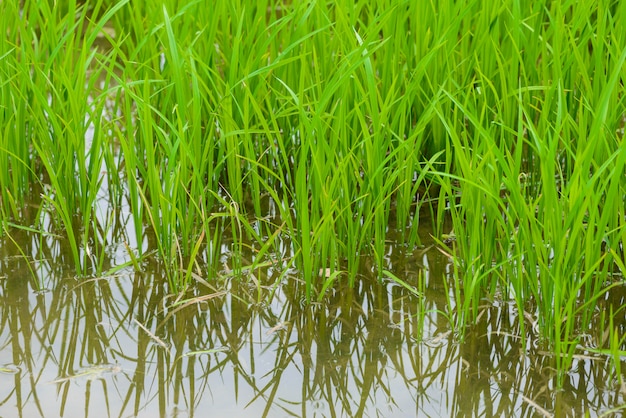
312, 208
122, 345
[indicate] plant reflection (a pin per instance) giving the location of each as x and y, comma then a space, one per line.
120, 345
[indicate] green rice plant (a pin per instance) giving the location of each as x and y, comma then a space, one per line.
170, 87
52, 114
529, 183
17, 168
327, 125
533, 246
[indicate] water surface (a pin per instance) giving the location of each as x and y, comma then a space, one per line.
120, 345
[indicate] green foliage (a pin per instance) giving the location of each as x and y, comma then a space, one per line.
340, 119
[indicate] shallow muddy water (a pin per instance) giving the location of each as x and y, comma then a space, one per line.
242, 341
120, 346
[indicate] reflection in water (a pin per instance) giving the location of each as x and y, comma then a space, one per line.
121, 346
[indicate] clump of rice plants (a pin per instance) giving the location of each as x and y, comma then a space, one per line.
328, 124
537, 179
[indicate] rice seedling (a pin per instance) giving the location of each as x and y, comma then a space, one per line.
344, 120
528, 197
